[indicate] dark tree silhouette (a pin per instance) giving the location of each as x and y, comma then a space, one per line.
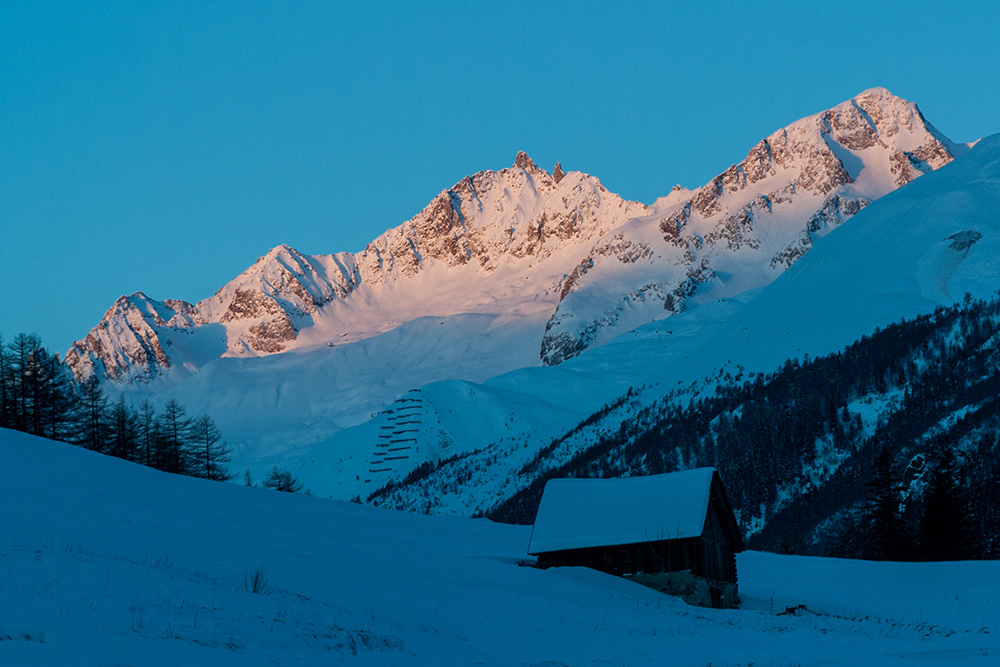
6, 388
59, 400
122, 430
282, 480
945, 527
175, 437
24, 378
40, 395
209, 455
888, 535
147, 433
92, 429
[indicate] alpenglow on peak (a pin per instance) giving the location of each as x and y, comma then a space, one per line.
522, 161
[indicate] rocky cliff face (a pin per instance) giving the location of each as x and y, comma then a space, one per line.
258, 312
127, 344
749, 223
494, 217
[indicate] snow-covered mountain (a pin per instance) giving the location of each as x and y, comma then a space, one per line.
749, 223
733, 234
495, 242
916, 249
502, 272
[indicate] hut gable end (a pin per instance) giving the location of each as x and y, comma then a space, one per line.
720, 511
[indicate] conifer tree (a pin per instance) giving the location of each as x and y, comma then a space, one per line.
22, 379
6, 388
35, 385
209, 455
175, 437
60, 401
122, 430
889, 538
147, 433
37, 392
92, 428
945, 528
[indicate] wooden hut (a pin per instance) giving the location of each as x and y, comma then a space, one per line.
675, 532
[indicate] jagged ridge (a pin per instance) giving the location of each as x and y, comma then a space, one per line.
519, 216
749, 223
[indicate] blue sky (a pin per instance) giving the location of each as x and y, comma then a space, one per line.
163, 147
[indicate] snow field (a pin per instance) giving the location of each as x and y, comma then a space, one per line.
103, 562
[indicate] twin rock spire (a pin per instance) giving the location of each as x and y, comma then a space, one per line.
522, 161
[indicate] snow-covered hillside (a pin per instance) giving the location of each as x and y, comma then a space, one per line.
925, 245
106, 563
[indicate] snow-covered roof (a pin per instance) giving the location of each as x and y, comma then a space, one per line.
578, 513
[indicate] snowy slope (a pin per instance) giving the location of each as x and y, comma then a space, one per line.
105, 563
922, 246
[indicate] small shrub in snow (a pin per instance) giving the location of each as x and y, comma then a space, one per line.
282, 480
255, 580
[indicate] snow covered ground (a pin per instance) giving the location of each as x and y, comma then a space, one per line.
106, 563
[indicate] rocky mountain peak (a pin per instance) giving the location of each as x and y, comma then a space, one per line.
125, 345
280, 250
557, 173
880, 97
492, 218
522, 161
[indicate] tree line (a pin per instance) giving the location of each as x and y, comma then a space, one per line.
39, 395
943, 529
885, 449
